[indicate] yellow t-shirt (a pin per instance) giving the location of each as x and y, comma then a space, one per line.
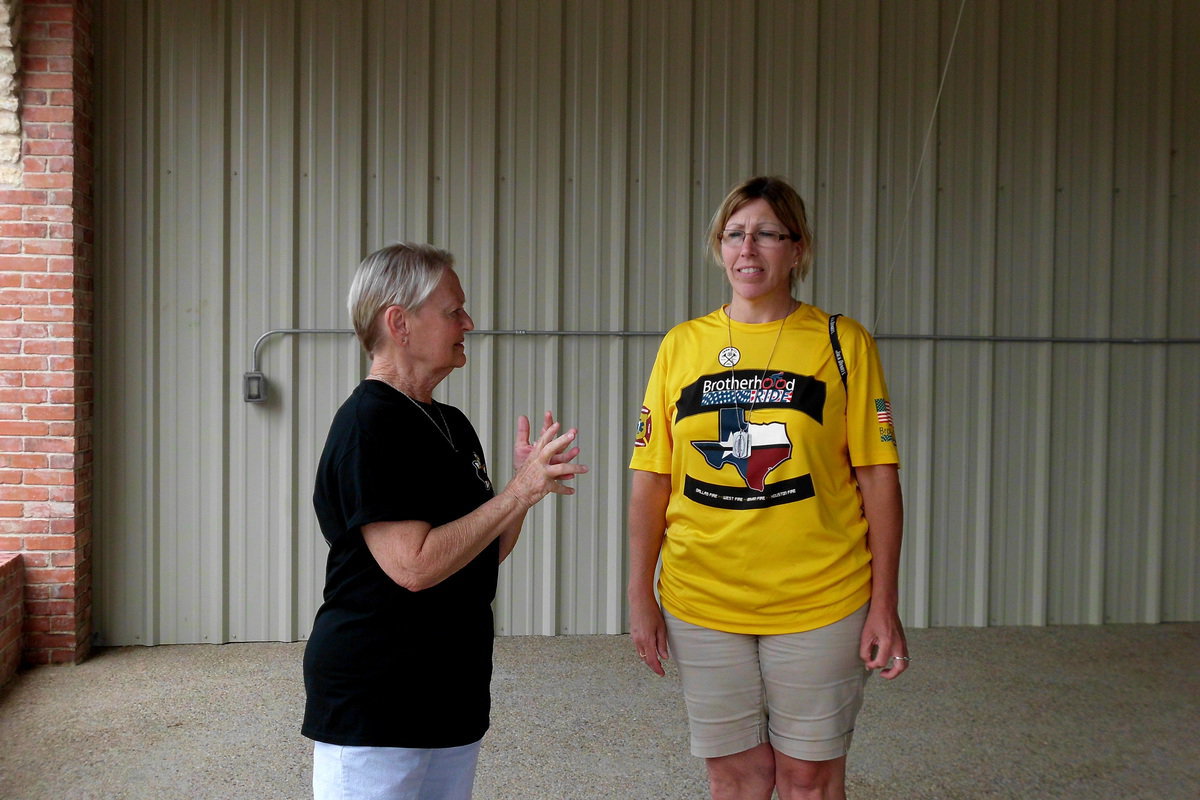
765, 529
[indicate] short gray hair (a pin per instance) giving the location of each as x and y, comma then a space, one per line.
402, 275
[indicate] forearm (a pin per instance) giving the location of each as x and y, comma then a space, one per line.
883, 508
418, 556
647, 526
509, 536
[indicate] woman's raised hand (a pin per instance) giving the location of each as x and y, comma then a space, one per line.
541, 466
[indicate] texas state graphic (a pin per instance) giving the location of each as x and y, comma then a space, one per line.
769, 447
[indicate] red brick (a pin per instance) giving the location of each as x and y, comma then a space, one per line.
24, 494
47, 181
61, 461
62, 98
45, 47
49, 510
60, 525
62, 330
45, 80
12, 510
50, 147
22, 197
34, 13
23, 263
31, 98
9, 428
55, 247
22, 363
21, 330
50, 542
26, 395
38, 640
49, 379
50, 608
24, 461
62, 494
48, 314
41, 559
47, 280
24, 297
36, 444
23, 230
45, 63
48, 477
51, 347
48, 213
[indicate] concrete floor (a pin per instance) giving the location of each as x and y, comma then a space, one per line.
1068, 712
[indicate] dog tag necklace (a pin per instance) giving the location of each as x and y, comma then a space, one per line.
740, 441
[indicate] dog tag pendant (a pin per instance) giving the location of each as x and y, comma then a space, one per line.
741, 444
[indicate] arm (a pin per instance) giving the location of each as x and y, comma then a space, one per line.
884, 509
647, 526
417, 556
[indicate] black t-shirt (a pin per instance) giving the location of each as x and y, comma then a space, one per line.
385, 666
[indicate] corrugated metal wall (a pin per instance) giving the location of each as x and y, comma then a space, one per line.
570, 154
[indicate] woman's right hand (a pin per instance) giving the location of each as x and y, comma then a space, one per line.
649, 633
545, 466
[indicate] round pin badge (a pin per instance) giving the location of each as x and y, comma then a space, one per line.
729, 357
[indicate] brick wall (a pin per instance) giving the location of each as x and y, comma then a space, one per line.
12, 614
46, 331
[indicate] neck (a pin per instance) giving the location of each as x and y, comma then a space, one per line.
404, 378
763, 309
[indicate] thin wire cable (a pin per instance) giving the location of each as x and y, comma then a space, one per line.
887, 280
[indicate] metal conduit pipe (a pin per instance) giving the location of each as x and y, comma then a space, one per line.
254, 383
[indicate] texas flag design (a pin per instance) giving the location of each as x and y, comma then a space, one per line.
769, 447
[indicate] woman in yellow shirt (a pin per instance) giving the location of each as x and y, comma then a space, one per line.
766, 478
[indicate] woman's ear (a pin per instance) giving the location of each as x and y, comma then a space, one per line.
395, 323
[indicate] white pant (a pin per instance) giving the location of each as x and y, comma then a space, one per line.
393, 773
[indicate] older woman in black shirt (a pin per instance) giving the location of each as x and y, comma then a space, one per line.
399, 661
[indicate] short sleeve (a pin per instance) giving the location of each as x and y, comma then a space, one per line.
652, 443
870, 427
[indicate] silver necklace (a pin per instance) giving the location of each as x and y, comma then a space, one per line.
741, 438
444, 431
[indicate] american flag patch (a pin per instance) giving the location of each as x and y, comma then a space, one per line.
883, 411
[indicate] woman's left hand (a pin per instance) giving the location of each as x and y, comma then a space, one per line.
522, 447
883, 646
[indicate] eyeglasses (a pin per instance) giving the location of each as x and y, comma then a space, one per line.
763, 239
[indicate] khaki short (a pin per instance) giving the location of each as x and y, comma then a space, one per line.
799, 691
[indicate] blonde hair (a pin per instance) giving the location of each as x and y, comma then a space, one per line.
402, 275
784, 202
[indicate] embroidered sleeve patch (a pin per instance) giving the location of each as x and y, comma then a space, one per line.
643, 428
883, 415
